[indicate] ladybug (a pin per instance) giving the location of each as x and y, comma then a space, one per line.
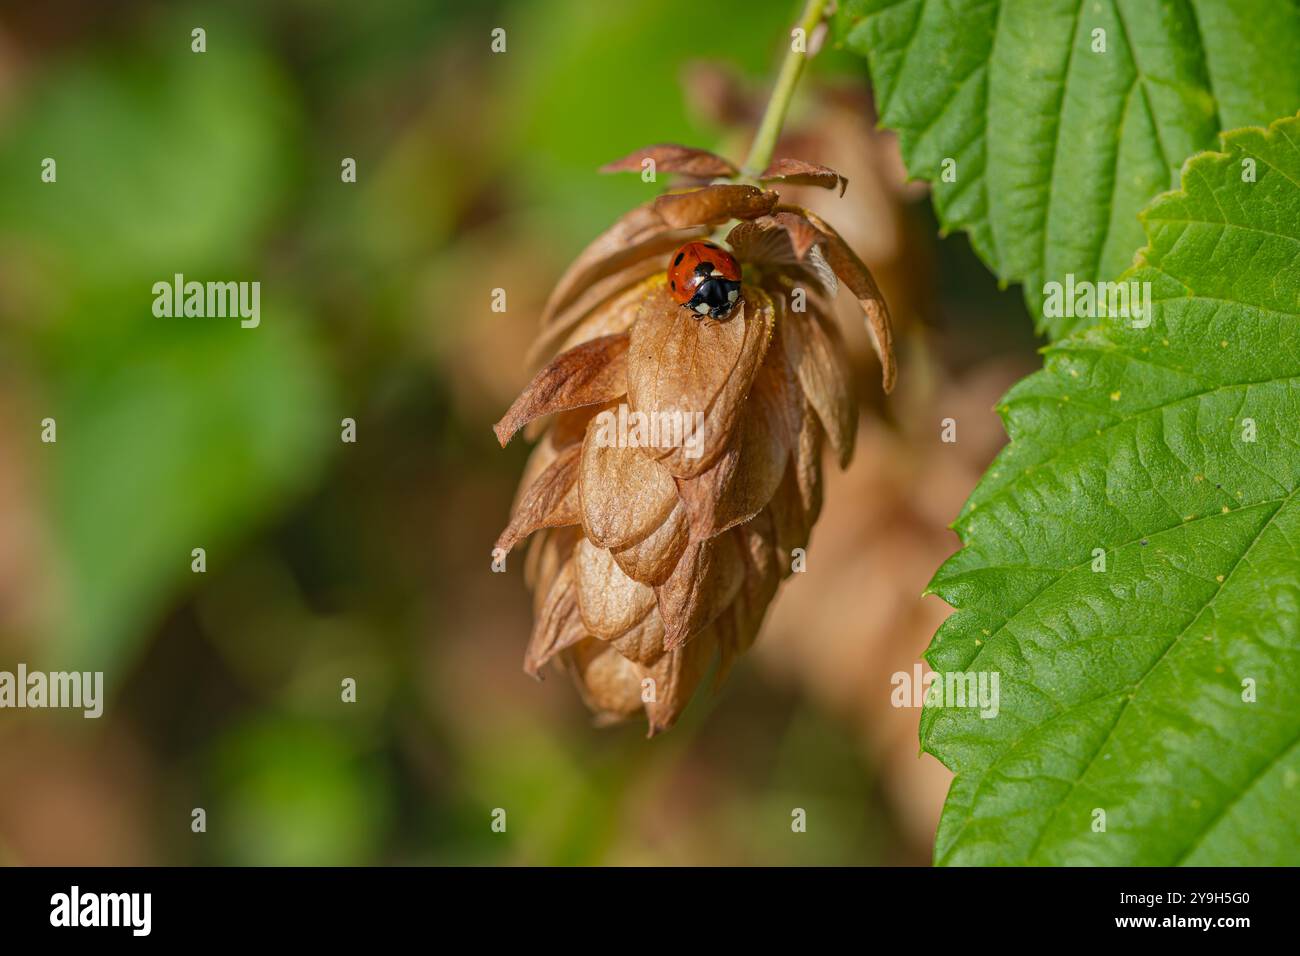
704, 278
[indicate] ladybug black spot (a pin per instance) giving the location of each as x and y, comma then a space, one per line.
674, 285
680, 257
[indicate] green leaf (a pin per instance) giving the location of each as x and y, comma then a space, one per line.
1172, 450
1057, 147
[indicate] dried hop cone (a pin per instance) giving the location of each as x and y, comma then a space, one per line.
679, 472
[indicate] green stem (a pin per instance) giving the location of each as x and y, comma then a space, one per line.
760, 153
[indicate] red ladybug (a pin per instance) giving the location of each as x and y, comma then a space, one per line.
704, 278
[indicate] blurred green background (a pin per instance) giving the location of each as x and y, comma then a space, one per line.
369, 560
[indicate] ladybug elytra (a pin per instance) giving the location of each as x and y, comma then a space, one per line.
704, 278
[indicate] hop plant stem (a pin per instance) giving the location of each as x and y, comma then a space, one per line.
760, 153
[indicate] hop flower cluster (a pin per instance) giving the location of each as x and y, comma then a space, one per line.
651, 559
